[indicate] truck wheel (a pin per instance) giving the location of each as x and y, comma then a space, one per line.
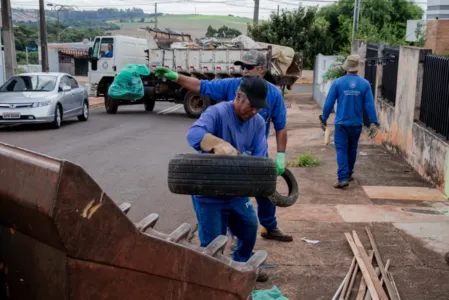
293, 191
194, 104
149, 99
110, 104
222, 175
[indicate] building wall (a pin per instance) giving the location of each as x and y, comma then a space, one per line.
320, 86
437, 36
400, 133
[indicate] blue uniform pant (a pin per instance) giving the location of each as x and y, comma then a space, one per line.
346, 140
214, 217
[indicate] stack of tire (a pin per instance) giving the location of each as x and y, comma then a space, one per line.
222, 175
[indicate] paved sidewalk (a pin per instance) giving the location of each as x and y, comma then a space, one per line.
96, 102
387, 195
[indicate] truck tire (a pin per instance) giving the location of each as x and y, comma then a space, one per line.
293, 191
110, 104
149, 99
195, 104
222, 175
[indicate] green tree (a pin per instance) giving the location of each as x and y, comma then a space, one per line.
380, 21
301, 29
211, 32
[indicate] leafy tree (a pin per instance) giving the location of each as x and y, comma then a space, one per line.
222, 32
211, 32
301, 29
380, 21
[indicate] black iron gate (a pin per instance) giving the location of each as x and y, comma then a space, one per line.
435, 94
371, 65
390, 60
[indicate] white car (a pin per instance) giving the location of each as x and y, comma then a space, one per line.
42, 98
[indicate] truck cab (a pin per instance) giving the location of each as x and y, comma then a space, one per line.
108, 55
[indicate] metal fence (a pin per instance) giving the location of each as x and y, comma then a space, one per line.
390, 60
371, 65
435, 94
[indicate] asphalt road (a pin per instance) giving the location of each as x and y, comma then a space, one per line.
126, 153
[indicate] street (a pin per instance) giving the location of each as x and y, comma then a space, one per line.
126, 153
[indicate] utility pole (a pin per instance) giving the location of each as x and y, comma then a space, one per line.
155, 14
256, 12
355, 22
278, 10
43, 36
8, 39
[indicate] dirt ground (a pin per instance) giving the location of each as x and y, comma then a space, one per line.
315, 271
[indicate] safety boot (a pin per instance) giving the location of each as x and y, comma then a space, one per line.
276, 234
262, 276
341, 185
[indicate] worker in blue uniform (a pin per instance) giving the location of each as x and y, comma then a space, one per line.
354, 96
231, 128
253, 63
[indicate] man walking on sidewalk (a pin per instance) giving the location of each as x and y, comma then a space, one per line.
253, 63
353, 95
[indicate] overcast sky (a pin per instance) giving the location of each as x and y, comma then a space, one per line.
242, 8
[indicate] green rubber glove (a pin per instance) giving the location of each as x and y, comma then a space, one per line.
280, 163
165, 72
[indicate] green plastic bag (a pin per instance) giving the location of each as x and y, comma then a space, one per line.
127, 85
272, 294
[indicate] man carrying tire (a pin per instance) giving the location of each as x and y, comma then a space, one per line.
231, 128
253, 63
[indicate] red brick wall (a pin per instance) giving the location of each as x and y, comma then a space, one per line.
437, 37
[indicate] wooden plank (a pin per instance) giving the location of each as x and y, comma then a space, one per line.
344, 281
374, 279
394, 284
404, 193
351, 283
362, 287
387, 265
345, 286
388, 285
362, 266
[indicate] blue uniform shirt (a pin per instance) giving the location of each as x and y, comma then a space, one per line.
220, 120
226, 89
353, 94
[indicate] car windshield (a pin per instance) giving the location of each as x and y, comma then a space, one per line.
27, 83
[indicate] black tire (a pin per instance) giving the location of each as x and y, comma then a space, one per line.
222, 175
195, 105
149, 99
85, 115
293, 191
57, 121
110, 104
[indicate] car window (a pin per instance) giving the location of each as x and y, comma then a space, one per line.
26, 83
73, 83
107, 47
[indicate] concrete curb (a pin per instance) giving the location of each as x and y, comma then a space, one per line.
304, 82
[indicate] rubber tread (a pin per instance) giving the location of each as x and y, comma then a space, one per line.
222, 175
293, 191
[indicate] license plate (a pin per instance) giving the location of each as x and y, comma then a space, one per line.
11, 115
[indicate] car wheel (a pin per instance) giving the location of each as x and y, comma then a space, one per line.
222, 175
149, 99
110, 104
57, 122
85, 115
195, 104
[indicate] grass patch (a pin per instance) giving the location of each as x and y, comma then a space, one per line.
305, 160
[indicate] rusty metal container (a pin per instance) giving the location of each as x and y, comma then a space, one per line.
62, 237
